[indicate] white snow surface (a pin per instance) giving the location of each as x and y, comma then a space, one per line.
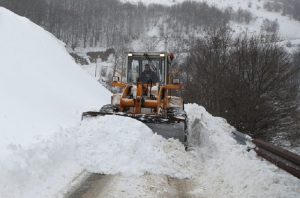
44, 146
226, 169
217, 164
42, 91
41, 88
130, 148
108, 145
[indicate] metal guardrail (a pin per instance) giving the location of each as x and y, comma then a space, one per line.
241, 137
282, 158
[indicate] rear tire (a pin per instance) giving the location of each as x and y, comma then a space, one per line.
186, 135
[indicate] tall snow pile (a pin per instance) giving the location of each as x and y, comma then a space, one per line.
41, 87
42, 91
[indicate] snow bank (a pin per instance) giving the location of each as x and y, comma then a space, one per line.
108, 145
226, 168
41, 87
43, 169
114, 144
42, 92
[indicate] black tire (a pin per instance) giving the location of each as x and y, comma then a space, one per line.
109, 109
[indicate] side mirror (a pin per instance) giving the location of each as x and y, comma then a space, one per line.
115, 78
176, 81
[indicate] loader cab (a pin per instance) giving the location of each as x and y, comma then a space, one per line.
157, 62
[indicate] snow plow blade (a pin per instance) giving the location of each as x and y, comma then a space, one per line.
167, 127
170, 130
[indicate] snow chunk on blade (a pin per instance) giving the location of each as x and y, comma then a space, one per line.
115, 144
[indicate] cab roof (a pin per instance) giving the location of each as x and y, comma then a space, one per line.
146, 53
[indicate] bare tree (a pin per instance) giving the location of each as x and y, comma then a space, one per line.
269, 26
248, 80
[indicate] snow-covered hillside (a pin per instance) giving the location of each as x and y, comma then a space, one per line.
289, 29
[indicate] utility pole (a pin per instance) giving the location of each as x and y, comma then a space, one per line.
96, 70
96, 67
166, 43
101, 67
122, 66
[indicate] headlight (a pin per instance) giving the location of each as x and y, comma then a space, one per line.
176, 81
162, 55
115, 78
129, 54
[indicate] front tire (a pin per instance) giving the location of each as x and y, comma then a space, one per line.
109, 109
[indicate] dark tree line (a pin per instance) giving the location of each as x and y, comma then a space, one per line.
249, 80
286, 7
109, 23
240, 16
270, 26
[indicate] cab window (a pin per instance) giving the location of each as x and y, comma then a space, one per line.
136, 66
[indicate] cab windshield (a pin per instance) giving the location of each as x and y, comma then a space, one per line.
150, 70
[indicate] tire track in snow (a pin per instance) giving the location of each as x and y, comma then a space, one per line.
91, 187
183, 188
148, 185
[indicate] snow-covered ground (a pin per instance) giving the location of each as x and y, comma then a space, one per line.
101, 70
40, 85
289, 29
42, 91
226, 169
45, 147
216, 166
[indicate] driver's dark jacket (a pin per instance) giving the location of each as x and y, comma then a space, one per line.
149, 77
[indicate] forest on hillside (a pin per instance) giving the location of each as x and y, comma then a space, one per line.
250, 80
289, 8
110, 23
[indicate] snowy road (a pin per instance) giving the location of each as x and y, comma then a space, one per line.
146, 165
98, 185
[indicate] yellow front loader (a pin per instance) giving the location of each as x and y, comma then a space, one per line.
149, 93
